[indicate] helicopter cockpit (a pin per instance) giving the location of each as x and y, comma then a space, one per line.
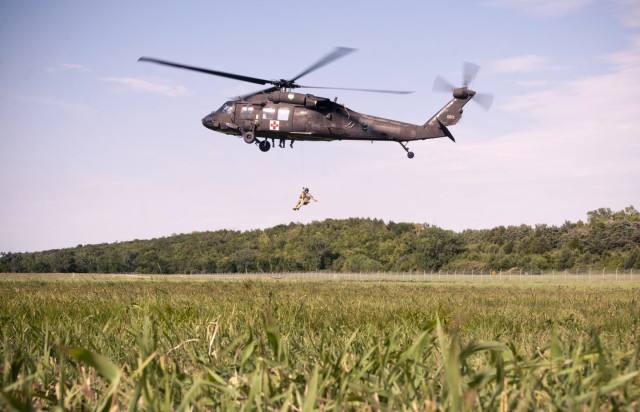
226, 108
221, 119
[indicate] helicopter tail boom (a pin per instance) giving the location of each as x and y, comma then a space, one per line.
451, 113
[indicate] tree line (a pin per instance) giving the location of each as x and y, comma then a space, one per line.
607, 240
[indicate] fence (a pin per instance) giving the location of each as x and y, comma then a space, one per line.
579, 275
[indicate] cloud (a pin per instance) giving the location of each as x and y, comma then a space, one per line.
72, 66
629, 12
532, 83
582, 146
551, 8
629, 59
521, 64
58, 103
567, 148
594, 99
155, 86
67, 66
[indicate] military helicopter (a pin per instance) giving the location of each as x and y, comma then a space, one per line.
279, 113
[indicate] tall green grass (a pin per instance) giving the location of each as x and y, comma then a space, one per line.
164, 344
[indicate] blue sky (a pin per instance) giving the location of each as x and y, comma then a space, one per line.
96, 147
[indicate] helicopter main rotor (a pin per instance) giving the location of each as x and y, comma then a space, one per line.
281, 84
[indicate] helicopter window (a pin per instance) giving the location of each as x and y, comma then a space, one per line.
226, 108
269, 113
283, 113
246, 112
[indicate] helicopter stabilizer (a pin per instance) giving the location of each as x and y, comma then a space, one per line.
445, 130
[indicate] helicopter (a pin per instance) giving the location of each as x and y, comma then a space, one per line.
278, 112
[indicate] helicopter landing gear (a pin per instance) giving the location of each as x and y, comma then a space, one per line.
249, 137
264, 145
406, 149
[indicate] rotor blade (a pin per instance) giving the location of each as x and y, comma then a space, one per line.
207, 71
266, 91
469, 72
484, 100
337, 53
359, 90
441, 85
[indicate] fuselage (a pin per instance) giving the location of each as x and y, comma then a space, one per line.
297, 116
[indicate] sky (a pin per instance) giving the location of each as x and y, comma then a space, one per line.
96, 147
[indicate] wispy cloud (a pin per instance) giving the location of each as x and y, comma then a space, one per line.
584, 136
61, 104
551, 8
591, 99
628, 59
533, 83
141, 85
576, 148
521, 64
629, 12
67, 66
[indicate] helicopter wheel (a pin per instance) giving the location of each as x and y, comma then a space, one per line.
410, 155
264, 146
249, 137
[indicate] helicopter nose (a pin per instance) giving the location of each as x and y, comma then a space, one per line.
208, 121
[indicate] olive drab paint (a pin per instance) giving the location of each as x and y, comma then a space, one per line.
279, 113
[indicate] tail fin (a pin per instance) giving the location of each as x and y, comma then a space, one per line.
452, 112
449, 114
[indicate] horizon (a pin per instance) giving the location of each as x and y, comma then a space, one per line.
386, 222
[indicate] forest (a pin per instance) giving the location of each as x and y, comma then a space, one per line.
607, 240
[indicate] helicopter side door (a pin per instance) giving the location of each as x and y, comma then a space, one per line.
247, 115
300, 119
276, 118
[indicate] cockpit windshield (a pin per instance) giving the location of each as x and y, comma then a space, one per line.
226, 108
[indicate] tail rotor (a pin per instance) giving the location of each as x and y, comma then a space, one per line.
469, 72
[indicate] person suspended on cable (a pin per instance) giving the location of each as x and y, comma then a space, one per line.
305, 198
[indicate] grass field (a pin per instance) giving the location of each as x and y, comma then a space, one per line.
165, 343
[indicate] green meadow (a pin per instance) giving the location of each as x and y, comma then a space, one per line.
169, 343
